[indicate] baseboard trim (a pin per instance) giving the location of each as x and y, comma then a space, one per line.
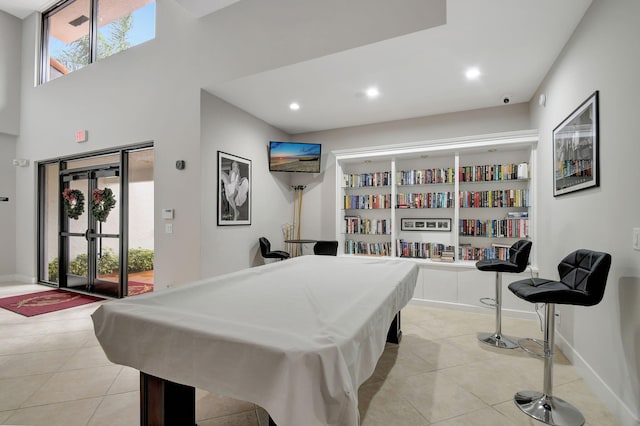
17, 279
512, 313
618, 407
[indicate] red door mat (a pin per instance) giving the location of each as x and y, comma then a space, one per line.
43, 302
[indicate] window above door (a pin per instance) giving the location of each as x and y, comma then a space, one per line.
77, 33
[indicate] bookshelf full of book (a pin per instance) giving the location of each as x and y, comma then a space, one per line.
453, 202
365, 209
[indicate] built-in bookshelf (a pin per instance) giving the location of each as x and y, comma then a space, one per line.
445, 201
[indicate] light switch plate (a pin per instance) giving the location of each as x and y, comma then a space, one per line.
636, 238
167, 213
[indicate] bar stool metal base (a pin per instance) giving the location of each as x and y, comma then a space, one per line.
548, 409
498, 340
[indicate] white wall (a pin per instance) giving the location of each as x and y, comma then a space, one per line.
151, 92
604, 340
10, 31
228, 129
318, 213
7, 209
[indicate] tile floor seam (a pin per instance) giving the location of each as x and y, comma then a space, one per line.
113, 382
417, 410
95, 411
48, 404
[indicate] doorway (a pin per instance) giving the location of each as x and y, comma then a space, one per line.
95, 227
91, 238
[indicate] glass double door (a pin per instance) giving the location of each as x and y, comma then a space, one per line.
90, 230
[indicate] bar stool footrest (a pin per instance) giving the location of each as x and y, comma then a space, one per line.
489, 302
498, 340
522, 343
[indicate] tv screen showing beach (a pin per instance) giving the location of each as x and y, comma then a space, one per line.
294, 157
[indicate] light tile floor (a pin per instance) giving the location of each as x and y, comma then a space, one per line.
53, 372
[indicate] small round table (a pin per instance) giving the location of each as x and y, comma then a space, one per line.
300, 242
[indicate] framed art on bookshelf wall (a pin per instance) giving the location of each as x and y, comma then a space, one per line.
575, 149
418, 224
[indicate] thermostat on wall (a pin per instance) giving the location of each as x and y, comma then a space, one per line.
167, 213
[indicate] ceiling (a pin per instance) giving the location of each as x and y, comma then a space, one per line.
513, 43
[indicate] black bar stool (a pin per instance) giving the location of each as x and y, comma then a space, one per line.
583, 275
516, 263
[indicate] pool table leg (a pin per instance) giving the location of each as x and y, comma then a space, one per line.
163, 402
394, 335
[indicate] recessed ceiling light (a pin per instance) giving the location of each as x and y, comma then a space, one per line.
294, 106
472, 73
372, 92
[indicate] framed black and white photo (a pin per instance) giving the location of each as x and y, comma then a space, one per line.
575, 149
414, 224
234, 190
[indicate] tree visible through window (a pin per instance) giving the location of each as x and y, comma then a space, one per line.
67, 32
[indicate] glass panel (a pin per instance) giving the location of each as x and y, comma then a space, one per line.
49, 262
107, 236
108, 267
77, 265
93, 161
123, 24
68, 38
141, 241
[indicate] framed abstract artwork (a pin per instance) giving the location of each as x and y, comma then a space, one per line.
575, 149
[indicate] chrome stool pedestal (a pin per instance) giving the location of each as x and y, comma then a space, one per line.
497, 339
515, 263
543, 406
583, 276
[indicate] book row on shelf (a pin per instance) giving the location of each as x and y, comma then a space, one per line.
367, 201
467, 199
366, 179
428, 200
495, 198
424, 250
358, 225
466, 252
372, 249
425, 177
496, 228
492, 228
493, 172
428, 250
481, 173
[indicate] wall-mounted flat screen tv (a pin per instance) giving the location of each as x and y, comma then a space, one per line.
294, 157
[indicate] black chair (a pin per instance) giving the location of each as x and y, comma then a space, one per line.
516, 263
326, 248
267, 253
583, 275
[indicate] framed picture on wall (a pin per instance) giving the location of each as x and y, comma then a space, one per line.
575, 149
414, 224
234, 190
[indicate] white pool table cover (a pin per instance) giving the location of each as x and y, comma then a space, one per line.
297, 337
